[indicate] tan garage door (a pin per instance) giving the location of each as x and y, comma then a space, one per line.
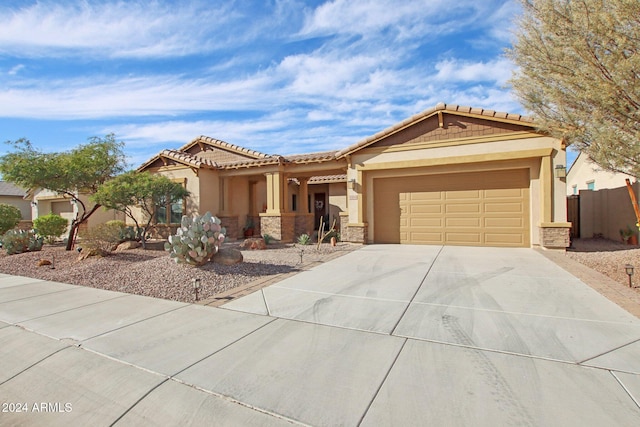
476, 209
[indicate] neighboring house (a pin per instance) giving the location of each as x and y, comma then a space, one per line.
11, 194
599, 201
584, 174
449, 175
44, 202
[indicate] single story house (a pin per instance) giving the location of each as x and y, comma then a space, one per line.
44, 202
450, 175
11, 194
584, 174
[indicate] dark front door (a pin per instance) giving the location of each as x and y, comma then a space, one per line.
319, 208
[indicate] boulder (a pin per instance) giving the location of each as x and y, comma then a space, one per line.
228, 256
129, 244
254, 243
44, 262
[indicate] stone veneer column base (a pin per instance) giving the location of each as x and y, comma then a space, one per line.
555, 235
354, 233
280, 227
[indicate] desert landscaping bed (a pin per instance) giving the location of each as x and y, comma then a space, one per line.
152, 273
607, 257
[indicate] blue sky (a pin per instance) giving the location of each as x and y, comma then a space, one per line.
280, 76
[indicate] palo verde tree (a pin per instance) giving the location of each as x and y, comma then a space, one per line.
72, 173
579, 74
141, 191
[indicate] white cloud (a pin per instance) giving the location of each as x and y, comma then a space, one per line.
111, 29
15, 69
455, 70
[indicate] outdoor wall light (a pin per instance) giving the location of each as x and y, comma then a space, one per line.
196, 286
34, 204
352, 184
628, 268
561, 171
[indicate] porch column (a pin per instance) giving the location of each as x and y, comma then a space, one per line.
304, 219
274, 192
276, 222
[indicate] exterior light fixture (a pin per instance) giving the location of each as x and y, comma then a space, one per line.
561, 171
196, 286
53, 261
352, 184
34, 204
628, 268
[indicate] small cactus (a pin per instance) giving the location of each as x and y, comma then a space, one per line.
19, 241
196, 240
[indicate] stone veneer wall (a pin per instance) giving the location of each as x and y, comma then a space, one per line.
281, 228
353, 233
231, 225
555, 237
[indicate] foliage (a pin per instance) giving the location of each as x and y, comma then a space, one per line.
330, 234
101, 239
10, 216
19, 241
50, 227
127, 233
626, 233
197, 240
304, 239
579, 73
143, 190
267, 239
80, 170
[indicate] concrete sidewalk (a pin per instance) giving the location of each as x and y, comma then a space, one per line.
385, 335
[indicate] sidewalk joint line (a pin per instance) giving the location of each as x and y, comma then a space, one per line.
404, 312
625, 389
609, 351
34, 364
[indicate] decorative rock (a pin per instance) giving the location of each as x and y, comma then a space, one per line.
228, 256
44, 262
129, 244
254, 243
86, 253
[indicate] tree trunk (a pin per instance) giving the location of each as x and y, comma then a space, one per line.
73, 230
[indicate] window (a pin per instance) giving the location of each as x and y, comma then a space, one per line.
575, 189
170, 213
294, 202
591, 185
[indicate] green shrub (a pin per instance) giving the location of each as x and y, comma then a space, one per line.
267, 239
127, 233
50, 227
101, 239
304, 239
19, 241
10, 216
197, 240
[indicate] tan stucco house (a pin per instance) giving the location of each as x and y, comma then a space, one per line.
450, 175
11, 194
584, 174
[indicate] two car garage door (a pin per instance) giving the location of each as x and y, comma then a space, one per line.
475, 209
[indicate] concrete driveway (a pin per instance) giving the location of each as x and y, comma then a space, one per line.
385, 335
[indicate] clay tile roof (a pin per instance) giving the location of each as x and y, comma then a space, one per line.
9, 189
327, 179
271, 160
311, 157
224, 145
441, 106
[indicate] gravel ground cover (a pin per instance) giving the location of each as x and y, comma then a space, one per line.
152, 273
607, 257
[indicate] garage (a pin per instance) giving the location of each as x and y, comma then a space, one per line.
489, 208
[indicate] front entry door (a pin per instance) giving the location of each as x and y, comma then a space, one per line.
319, 208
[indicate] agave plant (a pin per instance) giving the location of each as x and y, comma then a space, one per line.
197, 239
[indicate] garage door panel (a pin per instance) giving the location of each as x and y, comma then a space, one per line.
488, 208
425, 222
462, 238
503, 223
463, 195
463, 222
502, 207
454, 208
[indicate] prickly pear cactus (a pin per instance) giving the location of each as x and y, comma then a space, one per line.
197, 240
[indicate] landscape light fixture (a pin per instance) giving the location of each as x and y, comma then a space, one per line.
196, 286
53, 261
628, 268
